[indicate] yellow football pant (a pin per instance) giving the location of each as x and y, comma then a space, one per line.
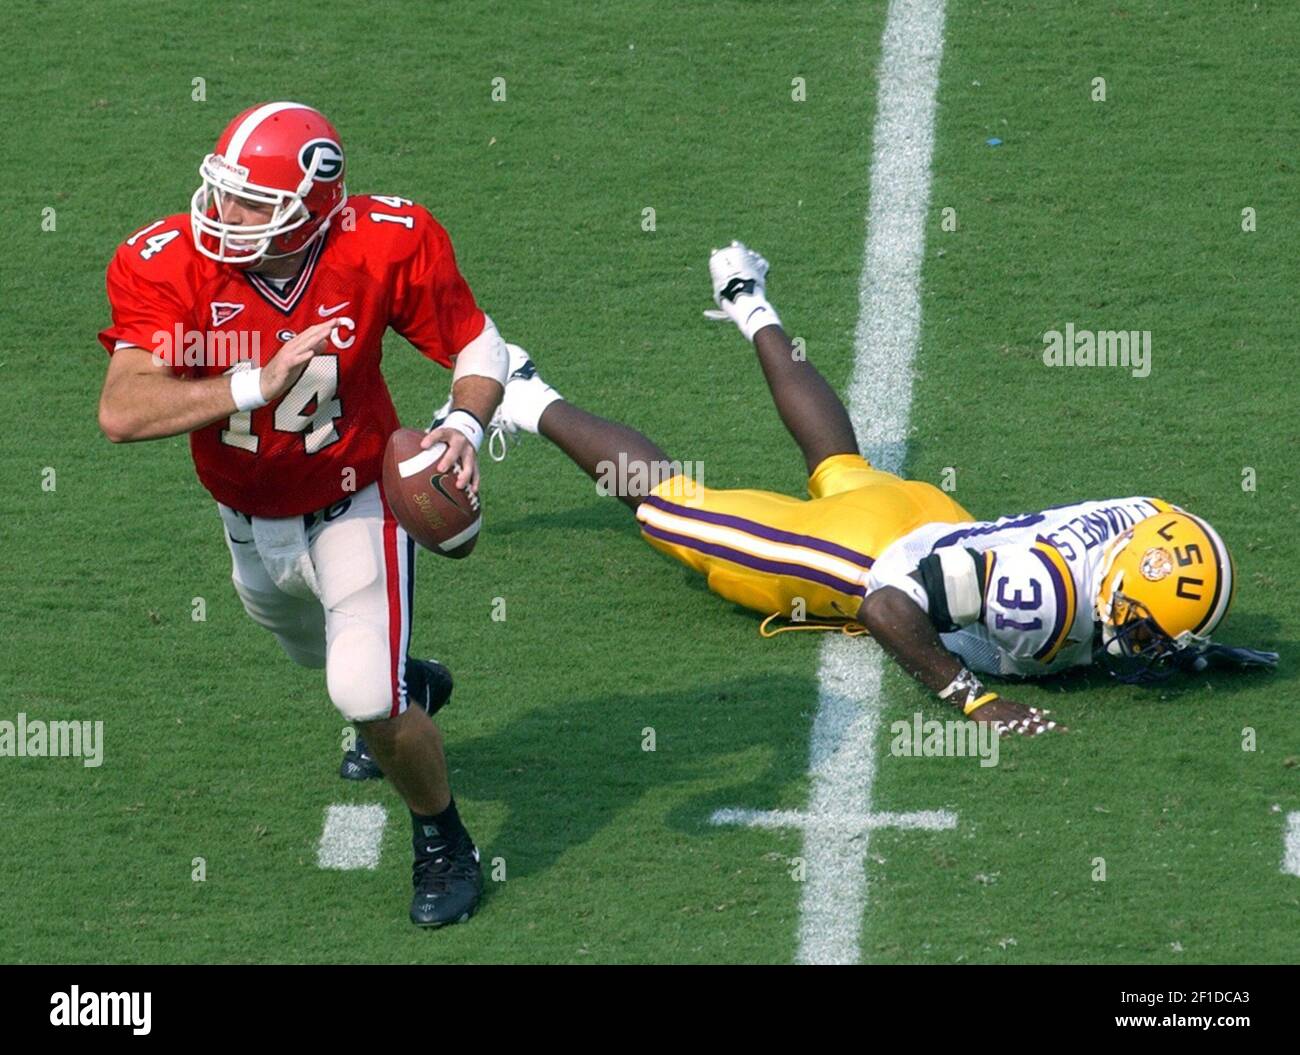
802, 558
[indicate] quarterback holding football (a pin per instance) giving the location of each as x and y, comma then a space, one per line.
290, 437
1136, 582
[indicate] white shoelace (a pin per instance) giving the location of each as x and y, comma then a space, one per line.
498, 440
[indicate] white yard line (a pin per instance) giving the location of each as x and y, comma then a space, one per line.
352, 837
889, 299
838, 821
1291, 855
924, 820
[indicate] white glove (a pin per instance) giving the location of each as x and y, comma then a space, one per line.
740, 289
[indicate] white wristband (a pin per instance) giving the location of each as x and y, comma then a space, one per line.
751, 314
246, 389
466, 424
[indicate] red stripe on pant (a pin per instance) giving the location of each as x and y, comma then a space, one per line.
393, 582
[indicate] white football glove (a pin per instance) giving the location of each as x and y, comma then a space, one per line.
740, 289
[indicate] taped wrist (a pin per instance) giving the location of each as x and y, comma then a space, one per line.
966, 691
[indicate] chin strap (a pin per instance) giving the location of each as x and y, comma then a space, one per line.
848, 627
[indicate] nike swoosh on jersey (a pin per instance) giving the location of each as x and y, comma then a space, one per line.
325, 312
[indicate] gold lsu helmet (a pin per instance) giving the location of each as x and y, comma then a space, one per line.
1166, 584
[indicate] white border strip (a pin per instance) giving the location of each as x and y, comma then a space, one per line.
1291, 853
352, 837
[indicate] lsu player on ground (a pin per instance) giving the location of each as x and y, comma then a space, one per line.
254, 323
947, 596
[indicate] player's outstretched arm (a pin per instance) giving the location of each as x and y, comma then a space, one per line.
904, 631
143, 400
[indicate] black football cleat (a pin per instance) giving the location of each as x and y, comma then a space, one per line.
360, 764
448, 880
428, 684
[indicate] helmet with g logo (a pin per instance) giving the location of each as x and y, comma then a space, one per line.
283, 155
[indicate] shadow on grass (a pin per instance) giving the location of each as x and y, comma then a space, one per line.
557, 801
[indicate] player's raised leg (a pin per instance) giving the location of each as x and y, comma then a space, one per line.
809, 407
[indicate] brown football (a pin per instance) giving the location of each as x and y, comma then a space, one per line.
434, 511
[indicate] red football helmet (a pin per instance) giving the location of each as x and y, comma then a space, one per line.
285, 155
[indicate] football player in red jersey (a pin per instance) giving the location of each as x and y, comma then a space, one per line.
254, 323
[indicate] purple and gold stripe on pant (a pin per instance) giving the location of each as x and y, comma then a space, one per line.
755, 545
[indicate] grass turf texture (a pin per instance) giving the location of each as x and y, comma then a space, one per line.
1123, 214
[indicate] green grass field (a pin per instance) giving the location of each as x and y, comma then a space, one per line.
1123, 214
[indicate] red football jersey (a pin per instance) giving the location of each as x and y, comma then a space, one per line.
385, 262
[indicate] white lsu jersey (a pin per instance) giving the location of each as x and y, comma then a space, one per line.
1013, 596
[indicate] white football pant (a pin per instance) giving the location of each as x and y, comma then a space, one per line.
355, 619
